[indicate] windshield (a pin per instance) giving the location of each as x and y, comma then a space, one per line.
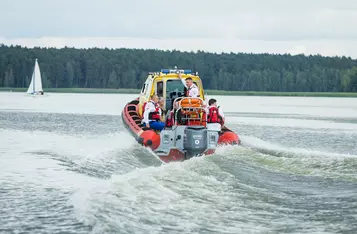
174, 86
174, 89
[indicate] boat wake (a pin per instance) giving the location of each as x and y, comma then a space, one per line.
201, 194
76, 169
112, 184
297, 161
119, 154
281, 151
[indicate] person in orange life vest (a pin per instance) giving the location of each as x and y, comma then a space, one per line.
152, 114
215, 116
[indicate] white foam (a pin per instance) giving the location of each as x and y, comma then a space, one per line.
36, 156
255, 142
180, 196
293, 123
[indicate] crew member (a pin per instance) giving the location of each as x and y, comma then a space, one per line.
152, 115
191, 89
170, 118
171, 115
215, 116
161, 104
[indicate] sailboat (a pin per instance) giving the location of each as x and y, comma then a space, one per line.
35, 87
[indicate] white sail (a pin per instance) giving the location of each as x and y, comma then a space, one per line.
36, 81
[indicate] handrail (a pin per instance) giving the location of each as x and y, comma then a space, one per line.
198, 118
196, 108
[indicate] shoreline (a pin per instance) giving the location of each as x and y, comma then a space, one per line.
208, 92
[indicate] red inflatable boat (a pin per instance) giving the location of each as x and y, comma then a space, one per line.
189, 136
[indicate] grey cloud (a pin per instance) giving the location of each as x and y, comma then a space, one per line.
275, 20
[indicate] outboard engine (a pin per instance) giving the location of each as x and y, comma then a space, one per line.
195, 140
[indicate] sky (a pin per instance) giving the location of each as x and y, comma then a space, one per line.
326, 27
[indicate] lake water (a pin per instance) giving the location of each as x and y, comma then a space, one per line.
67, 165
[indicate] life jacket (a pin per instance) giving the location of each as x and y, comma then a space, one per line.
155, 115
187, 90
214, 116
170, 120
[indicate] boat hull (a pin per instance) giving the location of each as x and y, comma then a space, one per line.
151, 139
35, 94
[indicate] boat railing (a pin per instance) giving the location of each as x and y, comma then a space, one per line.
190, 110
191, 101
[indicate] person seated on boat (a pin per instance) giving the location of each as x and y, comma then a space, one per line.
175, 115
170, 115
215, 116
170, 119
179, 116
161, 104
152, 114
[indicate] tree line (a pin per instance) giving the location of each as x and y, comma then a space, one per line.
128, 68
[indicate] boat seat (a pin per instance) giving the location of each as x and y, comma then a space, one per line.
136, 118
131, 108
133, 114
134, 102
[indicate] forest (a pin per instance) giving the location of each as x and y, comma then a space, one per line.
128, 68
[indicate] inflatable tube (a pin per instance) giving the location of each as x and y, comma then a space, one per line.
132, 122
149, 138
228, 137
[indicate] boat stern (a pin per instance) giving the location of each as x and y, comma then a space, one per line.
184, 142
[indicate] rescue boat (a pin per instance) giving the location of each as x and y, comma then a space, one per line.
188, 136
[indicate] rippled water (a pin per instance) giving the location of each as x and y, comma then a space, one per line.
69, 166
